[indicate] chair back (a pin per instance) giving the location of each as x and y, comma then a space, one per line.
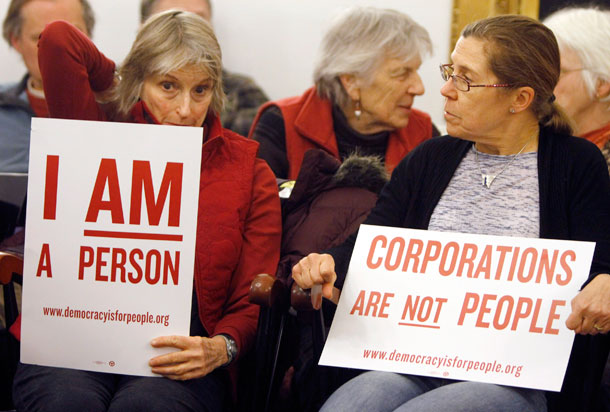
13, 189
11, 271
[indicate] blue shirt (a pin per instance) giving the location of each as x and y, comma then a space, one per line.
15, 124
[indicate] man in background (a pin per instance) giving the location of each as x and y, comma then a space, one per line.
19, 102
244, 96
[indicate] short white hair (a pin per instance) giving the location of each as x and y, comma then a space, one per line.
585, 31
357, 43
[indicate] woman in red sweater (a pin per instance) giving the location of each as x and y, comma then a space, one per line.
172, 75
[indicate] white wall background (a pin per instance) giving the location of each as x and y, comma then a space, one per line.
274, 41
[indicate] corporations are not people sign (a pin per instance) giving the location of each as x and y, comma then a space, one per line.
459, 306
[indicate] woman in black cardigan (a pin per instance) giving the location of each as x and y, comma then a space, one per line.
508, 167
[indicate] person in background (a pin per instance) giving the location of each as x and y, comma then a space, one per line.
366, 81
509, 167
19, 102
24, 21
171, 76
244, 96
583, 89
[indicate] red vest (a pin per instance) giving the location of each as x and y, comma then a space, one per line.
308, 122
599, 136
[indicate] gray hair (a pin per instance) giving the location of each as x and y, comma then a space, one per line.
357, 43
169, 41
147, 6
13, 22
585, 31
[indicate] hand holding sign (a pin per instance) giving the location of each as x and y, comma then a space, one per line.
591, 308
316, 269
196, 358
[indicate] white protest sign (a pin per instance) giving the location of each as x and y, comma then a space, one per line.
110, 242
459, 306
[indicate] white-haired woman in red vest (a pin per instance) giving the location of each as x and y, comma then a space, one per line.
366, 82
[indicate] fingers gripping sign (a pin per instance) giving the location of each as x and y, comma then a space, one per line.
591, 308
316, 272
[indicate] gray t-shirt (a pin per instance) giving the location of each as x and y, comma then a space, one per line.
509, 207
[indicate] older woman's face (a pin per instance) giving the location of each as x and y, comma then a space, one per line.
180, 98
482, 110
571, 90
386, 101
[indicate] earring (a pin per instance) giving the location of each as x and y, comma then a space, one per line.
512, 110
357, 111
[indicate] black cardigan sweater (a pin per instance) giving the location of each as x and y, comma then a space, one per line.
574, 205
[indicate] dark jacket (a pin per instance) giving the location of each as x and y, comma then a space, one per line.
15, 118
329, 201
244, 97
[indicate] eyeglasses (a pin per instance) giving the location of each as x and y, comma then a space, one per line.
461, 83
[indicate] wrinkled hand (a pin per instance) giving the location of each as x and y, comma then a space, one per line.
591, 308
313, 270
197, 356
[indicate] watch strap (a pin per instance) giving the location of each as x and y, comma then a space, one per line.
231, 348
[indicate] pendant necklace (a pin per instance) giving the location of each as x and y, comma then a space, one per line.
488, 178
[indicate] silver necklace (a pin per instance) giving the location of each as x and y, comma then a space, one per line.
488, 178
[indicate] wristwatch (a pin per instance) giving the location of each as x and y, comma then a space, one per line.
231, 347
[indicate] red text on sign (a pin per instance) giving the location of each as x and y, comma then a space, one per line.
374, 305
142, 183
420, 309
118, 265
44, 263
500, 262
50, 187
508, 312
